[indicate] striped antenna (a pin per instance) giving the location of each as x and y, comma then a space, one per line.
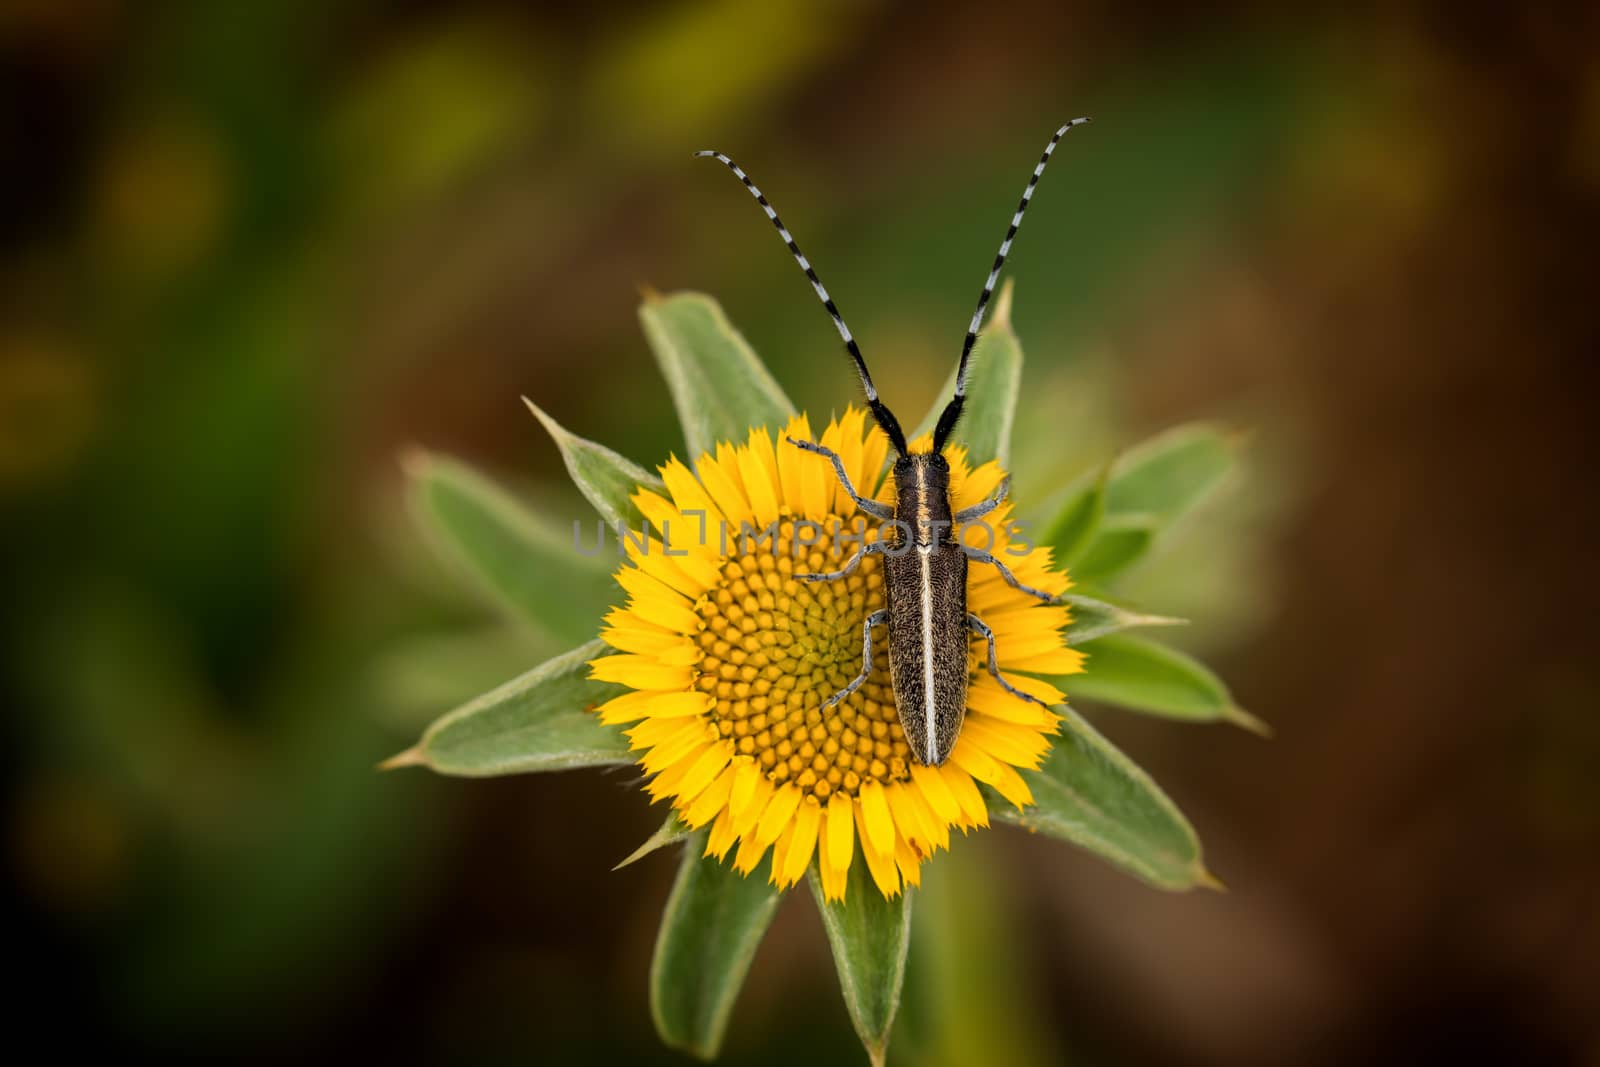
884, 417
952, 412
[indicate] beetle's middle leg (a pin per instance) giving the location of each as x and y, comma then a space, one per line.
978, 555
877, 618
851, 564
871, 507
979, 627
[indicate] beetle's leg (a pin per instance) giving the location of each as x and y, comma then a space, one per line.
855, 561
871, 507
981, 628
877, 618
978, 511
978, 555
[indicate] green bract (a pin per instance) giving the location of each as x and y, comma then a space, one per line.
1086, 792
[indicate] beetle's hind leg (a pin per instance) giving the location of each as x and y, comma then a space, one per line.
978, 555
979, 510
981, 628
871, 507
877, 618
855, 561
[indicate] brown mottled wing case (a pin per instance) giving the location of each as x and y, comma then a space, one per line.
946, 634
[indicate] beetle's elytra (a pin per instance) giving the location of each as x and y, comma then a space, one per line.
929, 627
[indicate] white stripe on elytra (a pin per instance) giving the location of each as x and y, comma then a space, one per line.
924, 554
928, 697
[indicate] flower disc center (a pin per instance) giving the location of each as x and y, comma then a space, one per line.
776, 647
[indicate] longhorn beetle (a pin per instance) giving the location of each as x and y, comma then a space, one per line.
926, 580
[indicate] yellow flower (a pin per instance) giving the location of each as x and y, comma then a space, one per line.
730, 658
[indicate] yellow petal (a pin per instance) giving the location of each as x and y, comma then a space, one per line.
876, 818
666, 783
722, 484
1019, 646
721, 837
639, 672
678, 705
780, 854
779, 810
852, 427
817, 479
988, 689
761, 489
764, 451
998, 704
1035, 618
1055, 661
1013, 744
965, 790
747, 776
834, 880
934, 790
654, 732
905, 816
690, 496
841, 835
629, 707
749, 855
790, 461
645, 642
808, 817
970, 757
655, 507
909, 862
1011, 786
880, 864
873, 452
712, 802
935, 830
978, 486
649, 555
685, 748
833, 494
661, 706
705, 770
746, 817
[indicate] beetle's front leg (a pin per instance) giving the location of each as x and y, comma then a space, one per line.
979, 510
871, 507
876, 548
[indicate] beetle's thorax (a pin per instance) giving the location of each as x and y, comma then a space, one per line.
922, 497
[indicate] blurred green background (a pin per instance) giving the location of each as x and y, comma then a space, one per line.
250, 253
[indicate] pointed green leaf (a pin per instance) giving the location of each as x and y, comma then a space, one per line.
607, 480
869, 936
524, 562
671, 832
714, 921
1119, 543
541, 721
1170, 473
1130, 672
719, 385
1092, 619
1076, 523
994, 381
1092, 795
